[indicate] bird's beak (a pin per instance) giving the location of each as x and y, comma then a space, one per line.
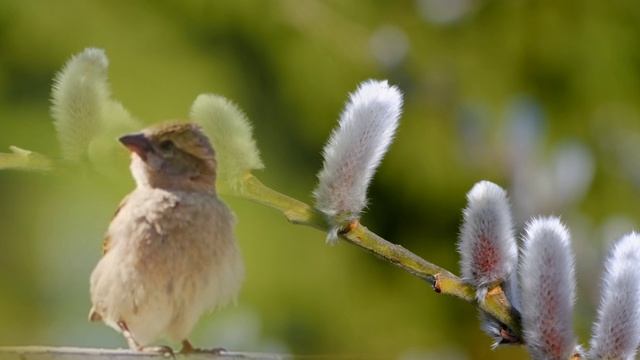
137, 143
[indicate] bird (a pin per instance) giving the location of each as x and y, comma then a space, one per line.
170, 253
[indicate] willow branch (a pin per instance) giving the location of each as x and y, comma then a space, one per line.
443, 281
23, 160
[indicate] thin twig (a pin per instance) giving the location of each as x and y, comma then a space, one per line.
443, 281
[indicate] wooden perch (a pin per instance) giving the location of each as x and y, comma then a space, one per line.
72, 353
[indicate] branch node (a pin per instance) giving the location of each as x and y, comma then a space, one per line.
347, 228
508, 337
436, 283
497, 292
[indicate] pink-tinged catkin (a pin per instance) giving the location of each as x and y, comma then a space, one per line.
547, 290
487, 247
616, 333
355, 149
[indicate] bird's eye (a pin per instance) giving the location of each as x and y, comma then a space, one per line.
166, 145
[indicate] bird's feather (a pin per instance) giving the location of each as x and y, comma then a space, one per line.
106, 242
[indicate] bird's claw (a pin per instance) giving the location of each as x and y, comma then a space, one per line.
187, 348
162, 350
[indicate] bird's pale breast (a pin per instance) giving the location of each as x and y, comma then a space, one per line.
172, 257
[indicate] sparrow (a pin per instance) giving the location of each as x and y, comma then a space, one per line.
169, 254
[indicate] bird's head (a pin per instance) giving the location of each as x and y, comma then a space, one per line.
173, 156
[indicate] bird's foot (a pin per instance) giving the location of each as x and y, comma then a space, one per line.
134, 345
162, 350
187, 348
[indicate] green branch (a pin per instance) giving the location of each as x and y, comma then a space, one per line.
443, 281
22, 159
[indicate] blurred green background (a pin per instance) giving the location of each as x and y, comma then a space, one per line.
541, 97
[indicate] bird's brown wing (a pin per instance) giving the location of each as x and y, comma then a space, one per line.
106, 242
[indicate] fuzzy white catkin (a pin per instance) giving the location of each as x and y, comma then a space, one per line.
356, 147
86, 118
231, 135
487, 246
616, 333
547, 283
79, 92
